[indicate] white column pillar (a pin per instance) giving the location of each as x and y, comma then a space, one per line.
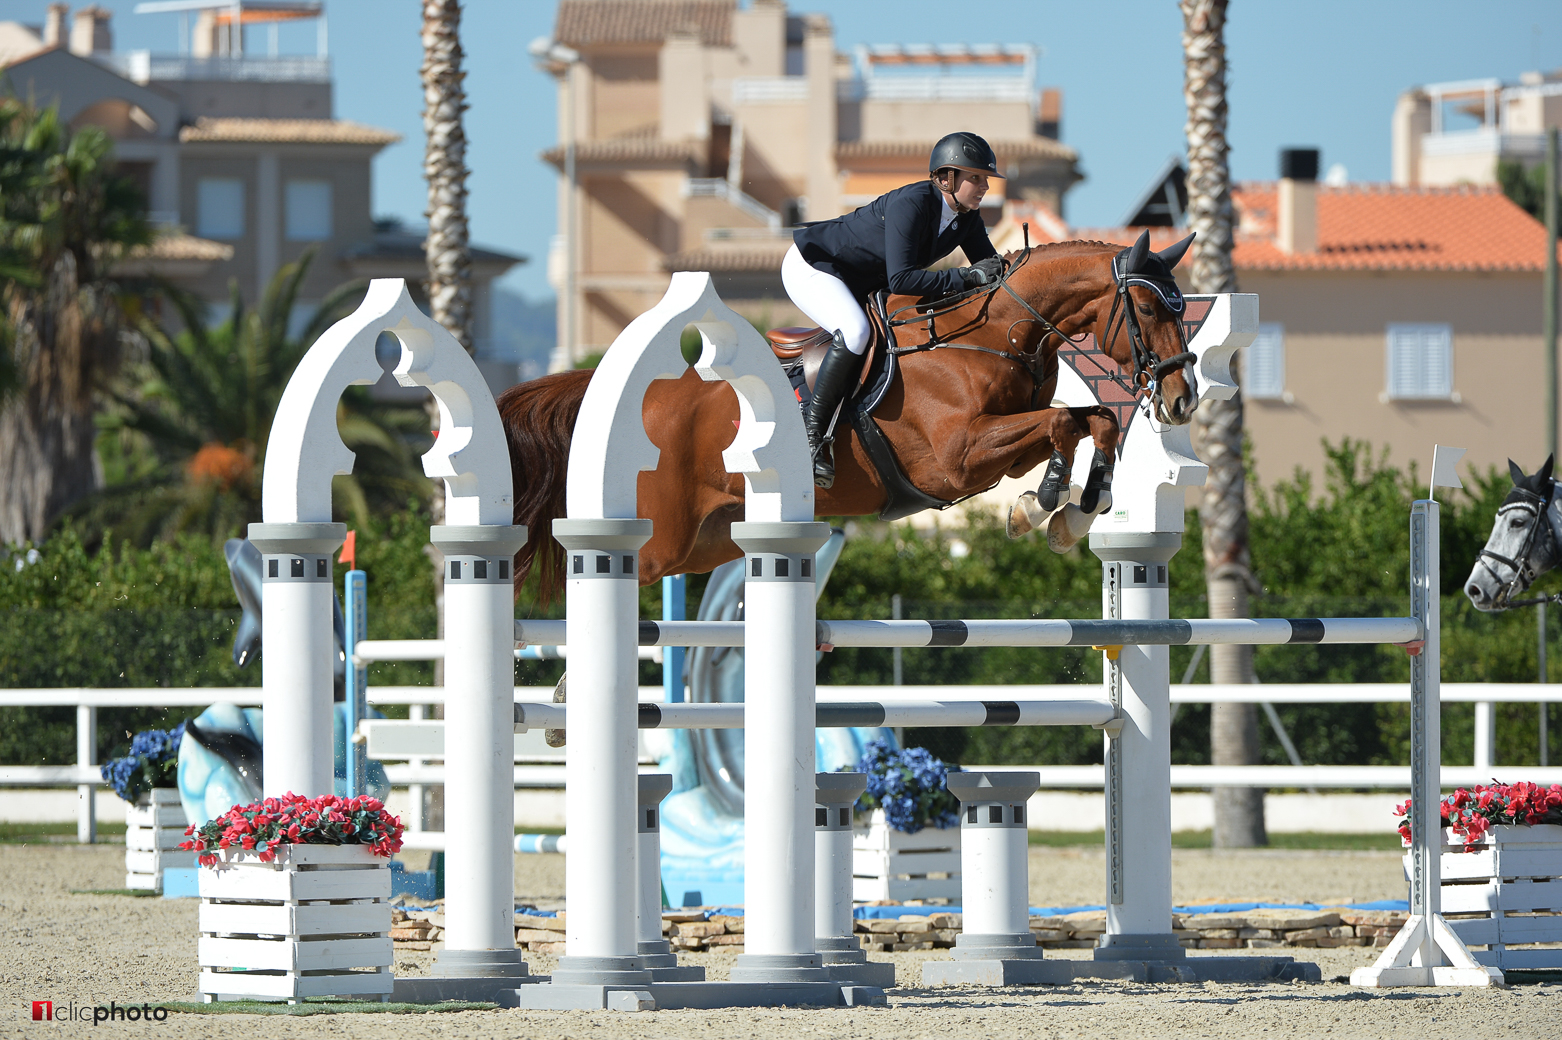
1485, 736
295, 663
656, 953
602, 606
994, 866
834, 937
778, 797
1138, 839
479, 750
86, 755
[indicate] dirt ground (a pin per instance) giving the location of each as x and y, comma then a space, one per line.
65, 945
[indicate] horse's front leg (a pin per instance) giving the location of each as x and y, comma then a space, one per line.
1049, 505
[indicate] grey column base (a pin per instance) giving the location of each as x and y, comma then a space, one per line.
499, 964
1056, 972
1021, 946
779, 967
880, 974
1026, 971
1155, 946
601, 971
689, 995
840, 949
658, 958
434, 989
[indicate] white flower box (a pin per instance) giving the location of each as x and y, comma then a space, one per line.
154, 827
890, 865
314, 922
1506, 895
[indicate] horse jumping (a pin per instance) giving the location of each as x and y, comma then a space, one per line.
971, 406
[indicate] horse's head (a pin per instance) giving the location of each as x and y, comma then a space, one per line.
1521, 547
1143, 328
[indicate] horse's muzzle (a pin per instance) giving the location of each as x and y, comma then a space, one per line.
1177, 411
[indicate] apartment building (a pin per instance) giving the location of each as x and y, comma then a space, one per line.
696, 133
239, 154
1457, 132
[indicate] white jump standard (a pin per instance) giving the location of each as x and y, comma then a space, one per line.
834, 933
656, 953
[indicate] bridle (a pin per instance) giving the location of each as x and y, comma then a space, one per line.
1522, 568
1149, 370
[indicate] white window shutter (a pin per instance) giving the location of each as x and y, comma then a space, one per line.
1420, 361
219, 205
1263, 371
308, 211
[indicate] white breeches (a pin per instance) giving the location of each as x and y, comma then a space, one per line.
826, 300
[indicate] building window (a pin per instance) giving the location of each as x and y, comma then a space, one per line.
1263, 368
308, 211
220, 207
1420, 363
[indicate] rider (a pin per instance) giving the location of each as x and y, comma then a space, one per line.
834, 265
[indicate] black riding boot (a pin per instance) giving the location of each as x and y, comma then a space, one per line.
836, 373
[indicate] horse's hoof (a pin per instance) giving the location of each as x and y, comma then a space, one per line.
1103, 503
1026, 516
1067, 526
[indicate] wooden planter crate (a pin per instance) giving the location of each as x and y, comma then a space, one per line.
1506, 894
307, 924
890, 865
154, 827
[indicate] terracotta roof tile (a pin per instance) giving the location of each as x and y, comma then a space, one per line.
1383, 227
582, 23
286, 131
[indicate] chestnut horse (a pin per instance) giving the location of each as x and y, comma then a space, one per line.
965, 411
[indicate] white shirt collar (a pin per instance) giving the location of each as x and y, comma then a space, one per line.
948, 216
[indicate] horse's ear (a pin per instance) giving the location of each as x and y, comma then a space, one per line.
1172, 255
1136, 253
1544, 474
1519, 479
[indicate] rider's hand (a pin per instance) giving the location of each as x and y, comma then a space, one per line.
983, 272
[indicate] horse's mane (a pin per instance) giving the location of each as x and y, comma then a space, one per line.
1064, 248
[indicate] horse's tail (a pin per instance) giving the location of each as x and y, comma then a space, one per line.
539, 420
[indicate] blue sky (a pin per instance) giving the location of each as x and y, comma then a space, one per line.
1322, 73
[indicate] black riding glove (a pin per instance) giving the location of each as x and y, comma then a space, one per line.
983, 272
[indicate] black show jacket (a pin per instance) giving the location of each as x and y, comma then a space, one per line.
887, 243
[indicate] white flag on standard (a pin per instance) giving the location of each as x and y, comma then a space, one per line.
1444, 461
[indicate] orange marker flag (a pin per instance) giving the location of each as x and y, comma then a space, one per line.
349, 553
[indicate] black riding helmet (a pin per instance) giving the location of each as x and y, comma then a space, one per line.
963, 151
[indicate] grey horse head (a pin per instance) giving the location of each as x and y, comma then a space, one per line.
1522, 545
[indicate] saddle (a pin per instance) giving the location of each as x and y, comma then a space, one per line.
801, 350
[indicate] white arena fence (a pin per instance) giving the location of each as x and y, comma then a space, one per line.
905, 705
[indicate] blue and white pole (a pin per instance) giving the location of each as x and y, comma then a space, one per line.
356, 608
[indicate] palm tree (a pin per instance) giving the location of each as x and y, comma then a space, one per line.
186, 432
65, 218
447, 250
1228, 570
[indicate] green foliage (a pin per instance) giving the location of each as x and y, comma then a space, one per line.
185, 436
1526, 187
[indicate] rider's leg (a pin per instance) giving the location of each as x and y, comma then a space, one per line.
828, 301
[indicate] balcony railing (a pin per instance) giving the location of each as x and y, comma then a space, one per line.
144, 67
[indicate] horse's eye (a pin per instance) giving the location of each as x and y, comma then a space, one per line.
1515, 523
1146, 310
